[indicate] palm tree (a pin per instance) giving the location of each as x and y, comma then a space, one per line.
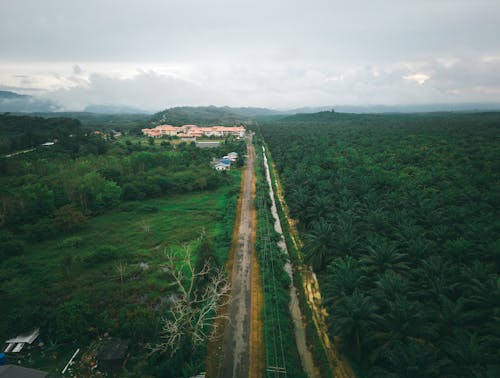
466, 354
407, 229
390, 286
383, 256
320, 208
435, 277
318, 244
482, 292
418, 249
352, 320
401, 323
409, 359
451, 316
347, 235
299, 198
343, 277
377, 219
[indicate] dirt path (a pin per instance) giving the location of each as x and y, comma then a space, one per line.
235, 360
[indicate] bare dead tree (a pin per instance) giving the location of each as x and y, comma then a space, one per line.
193, 314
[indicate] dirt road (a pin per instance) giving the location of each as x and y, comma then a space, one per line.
235, 349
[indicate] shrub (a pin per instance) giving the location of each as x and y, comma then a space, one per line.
71, 242
69, 321
68, 218
9, 245
101, 255
147, 209
42, 230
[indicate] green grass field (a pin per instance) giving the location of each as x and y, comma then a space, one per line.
113, 267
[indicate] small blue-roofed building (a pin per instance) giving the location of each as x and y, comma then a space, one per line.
222, 167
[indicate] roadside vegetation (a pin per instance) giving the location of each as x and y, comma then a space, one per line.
88, 230
399, 218
279, 338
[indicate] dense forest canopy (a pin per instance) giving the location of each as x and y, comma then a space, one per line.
399, 216
98, 121
21, 132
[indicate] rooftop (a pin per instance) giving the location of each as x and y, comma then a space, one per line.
14, 371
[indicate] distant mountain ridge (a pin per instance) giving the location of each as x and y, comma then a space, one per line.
417, 108
226, 115
114, 109
11, 95
14, 102
400, 108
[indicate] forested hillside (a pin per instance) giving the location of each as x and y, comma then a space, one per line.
399, 215
201, 115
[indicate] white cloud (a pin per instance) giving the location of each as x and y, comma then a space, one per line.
281, 53
419, 78
154, 86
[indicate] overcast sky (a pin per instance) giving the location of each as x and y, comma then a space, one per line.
154, 54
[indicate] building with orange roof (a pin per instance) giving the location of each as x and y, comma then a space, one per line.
194, 131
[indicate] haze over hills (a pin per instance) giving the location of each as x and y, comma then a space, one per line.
20, 103
114, 109
14, 102
7, 95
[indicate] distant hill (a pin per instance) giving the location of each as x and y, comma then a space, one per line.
252, 112
202, 115
6, 95
401, 108
395, 118
114, 109
417, 108
14, 102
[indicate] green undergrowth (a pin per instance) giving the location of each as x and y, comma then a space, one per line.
279, 337
312, 337
109, 276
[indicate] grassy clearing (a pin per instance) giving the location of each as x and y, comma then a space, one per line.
111, 271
